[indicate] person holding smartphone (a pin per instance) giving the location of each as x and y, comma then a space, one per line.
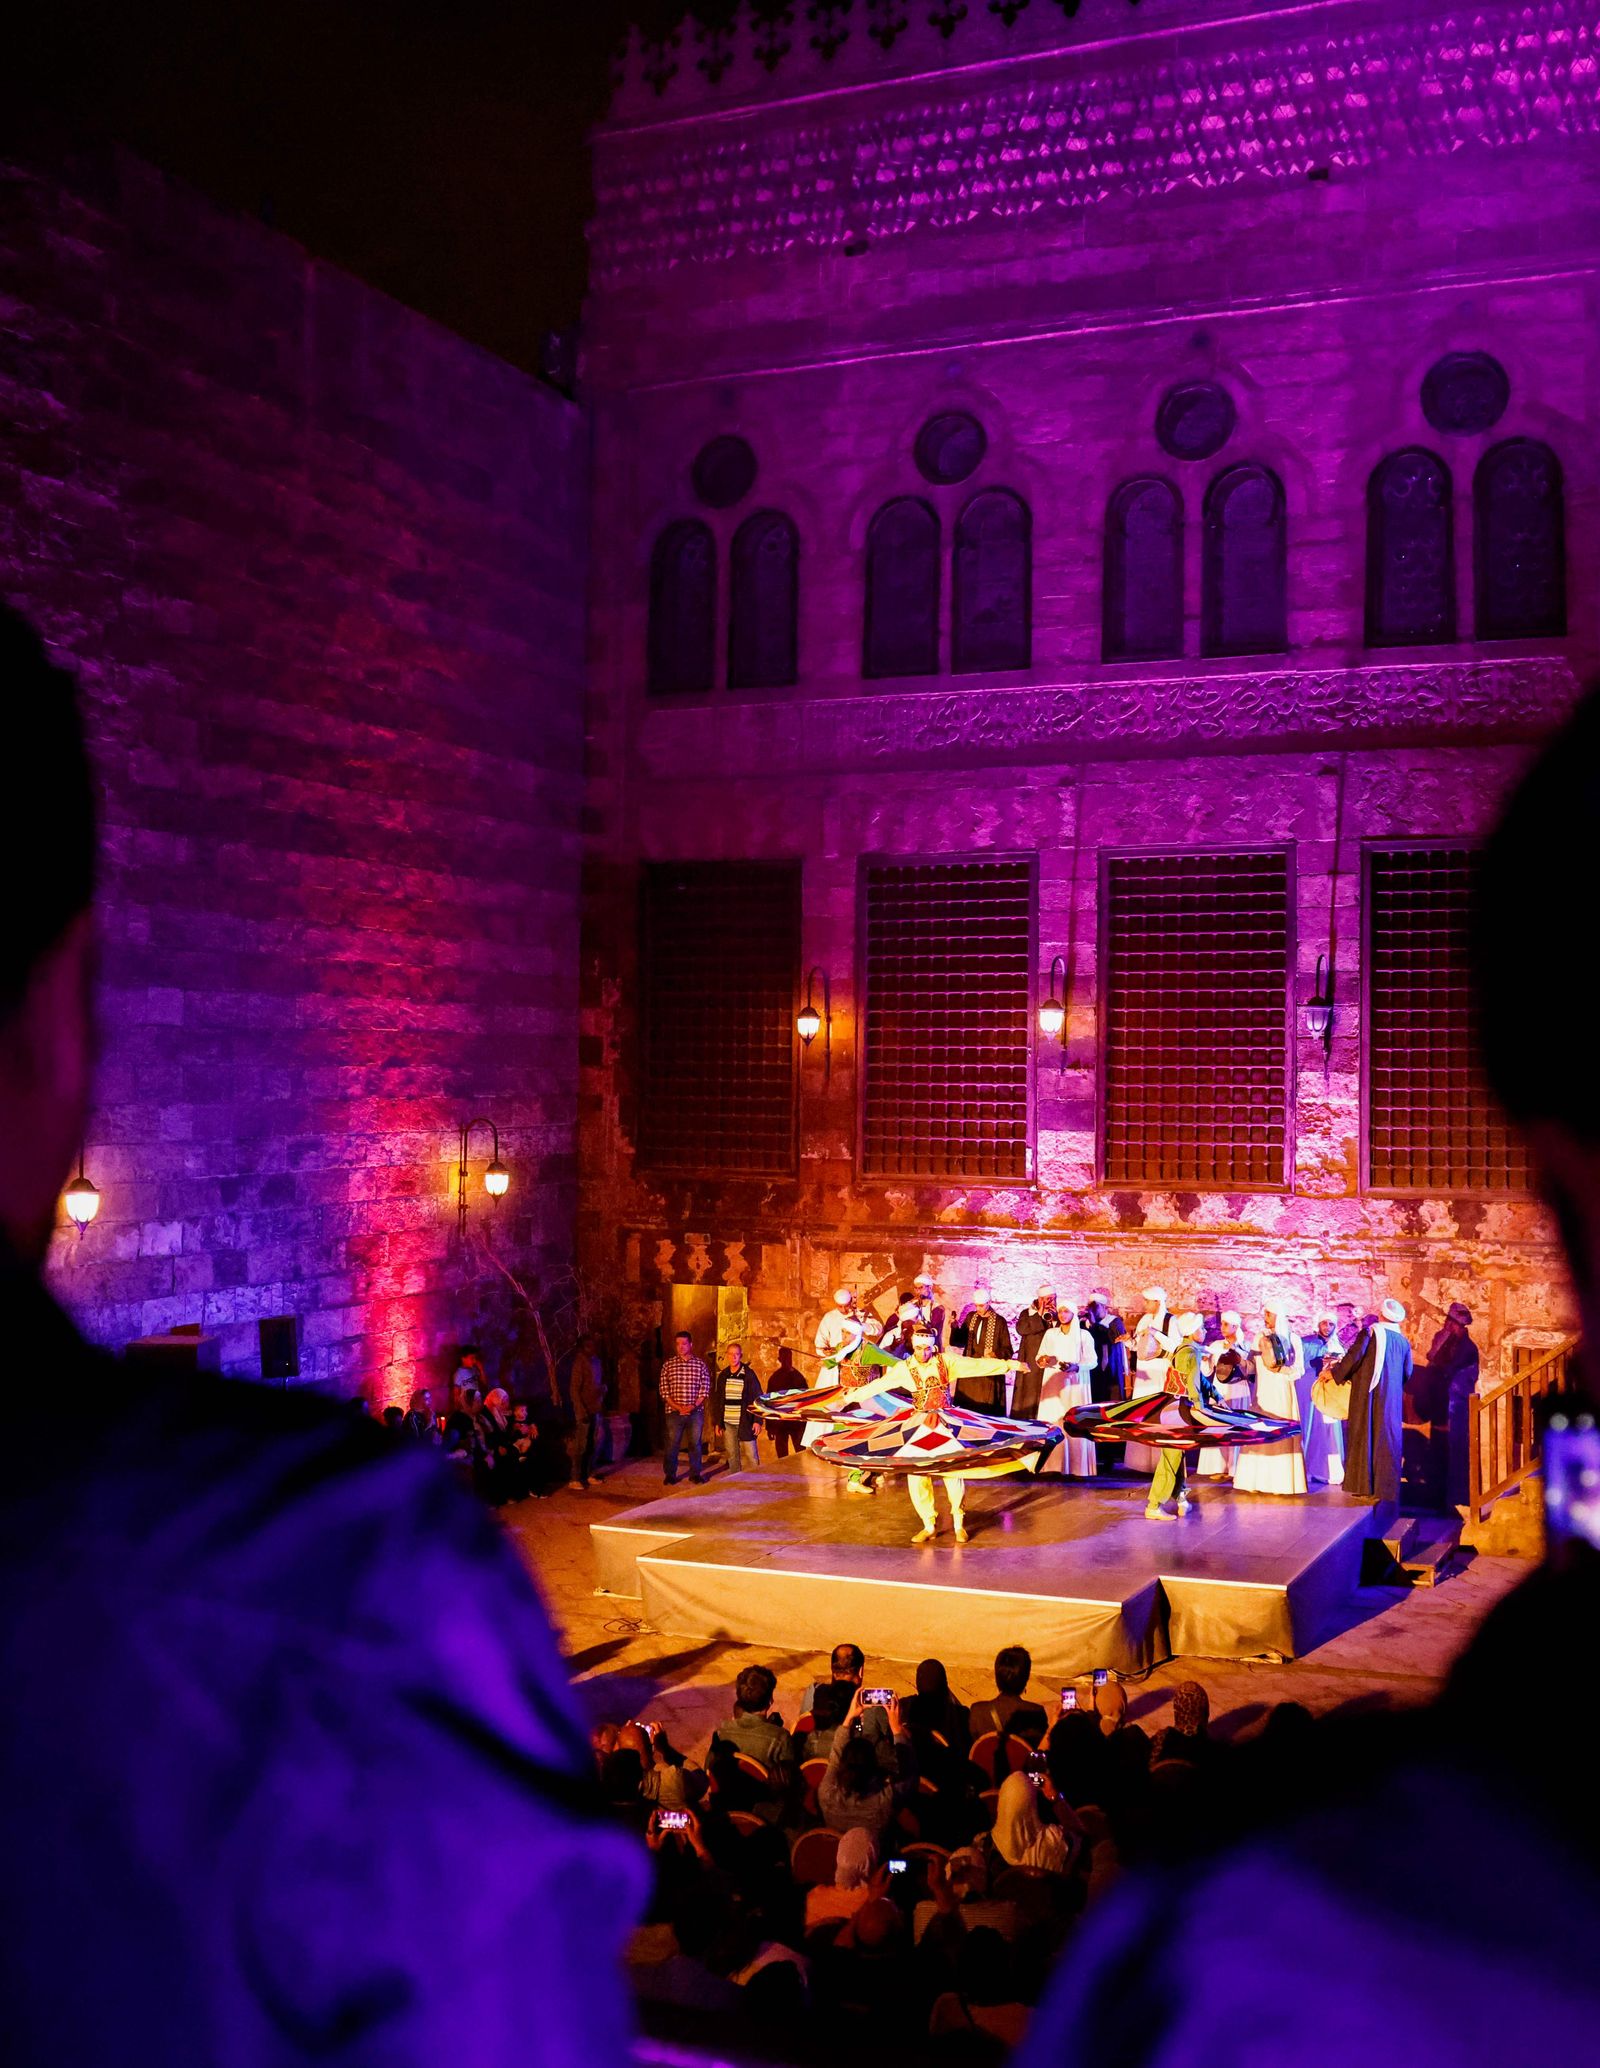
859, 1790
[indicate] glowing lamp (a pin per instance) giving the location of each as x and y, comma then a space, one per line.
1053, 1012
495, 1179
1319, 1008
81, 1200
1052, 1018
808, 1023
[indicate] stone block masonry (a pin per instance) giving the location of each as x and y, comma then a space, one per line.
319, 567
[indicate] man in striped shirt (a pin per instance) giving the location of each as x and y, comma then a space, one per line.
685, 1386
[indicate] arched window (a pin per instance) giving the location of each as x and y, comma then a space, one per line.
763, 573
1519, 545
1411, 562
1142, 598
1244, 564
902, 628
991, 614
683, 608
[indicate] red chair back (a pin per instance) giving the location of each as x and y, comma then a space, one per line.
745, 1822
755, 1771
814, 1857
811, 1773
984, 1752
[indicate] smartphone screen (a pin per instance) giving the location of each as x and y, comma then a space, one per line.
1572, 1477
1069, 1699
880, 1697
674, 1820
1101, 1676
896, 1866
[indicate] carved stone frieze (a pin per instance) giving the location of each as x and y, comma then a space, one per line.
1190, 106
1433, 704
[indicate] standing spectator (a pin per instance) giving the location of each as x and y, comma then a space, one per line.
786, 1378
1033, 1324
588, 1394
742, 1390
624, 1403
1008, 1712
685, 1386
470, 1375
981, 1332
1443, 1389
1110, 1332
755, 1731
727, 1392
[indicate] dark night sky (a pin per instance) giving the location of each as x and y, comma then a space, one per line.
434, 147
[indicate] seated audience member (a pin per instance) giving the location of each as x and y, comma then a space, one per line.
394, 1418
958, 1897
857, 1789
934, 1709
985, 1999
1111, 1708
755, 1731
670, 1780
847, 1669
857, 1878
1007, 1712
420, 1423
829, 1706
1021, 1837
1188, 1736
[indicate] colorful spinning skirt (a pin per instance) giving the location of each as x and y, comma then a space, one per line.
954, 1442
1172, 1421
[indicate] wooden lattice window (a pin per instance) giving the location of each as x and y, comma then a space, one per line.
947, 955
1244, 564
1142, 600
763, 602
991, 615
683, 608
902, 617
719, 953
1432, 1124
1411, 562
1519, 548
1196, 1053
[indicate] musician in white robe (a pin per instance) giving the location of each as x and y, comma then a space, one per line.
1276, 1468
1230, 1370
1324, 1434
1066, 1360
1153, 1345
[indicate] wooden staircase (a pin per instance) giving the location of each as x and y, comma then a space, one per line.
1505, 1493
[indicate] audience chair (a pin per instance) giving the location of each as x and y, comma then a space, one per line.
985, 1751
813, 1858
802, 1724
746, 1822
753, 1770
811, 1773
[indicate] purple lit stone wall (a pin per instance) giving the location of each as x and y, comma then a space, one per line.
1049, 223
319, 566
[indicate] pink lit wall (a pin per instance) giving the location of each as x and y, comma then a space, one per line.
319, 566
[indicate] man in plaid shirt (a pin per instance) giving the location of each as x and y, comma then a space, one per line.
685, 1386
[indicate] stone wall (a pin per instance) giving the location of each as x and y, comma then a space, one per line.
319, 567
751, 282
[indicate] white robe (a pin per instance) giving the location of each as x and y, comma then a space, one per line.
1220, 1460
1059, 1349
1275, 1468
1324, 1437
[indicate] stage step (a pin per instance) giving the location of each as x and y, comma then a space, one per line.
1434, 1549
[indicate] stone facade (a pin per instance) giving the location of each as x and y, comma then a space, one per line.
319, 567
1047, 225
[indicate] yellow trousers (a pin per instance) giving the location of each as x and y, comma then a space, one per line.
920, 1488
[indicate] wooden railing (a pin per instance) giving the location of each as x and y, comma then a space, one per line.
1503, 1430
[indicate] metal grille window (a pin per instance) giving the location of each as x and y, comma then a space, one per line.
1196, 1030
719, 954
948, 955
1432, 1124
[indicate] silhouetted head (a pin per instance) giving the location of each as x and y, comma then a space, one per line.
1012, 1668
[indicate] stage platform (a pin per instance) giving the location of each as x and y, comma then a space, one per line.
783, 1557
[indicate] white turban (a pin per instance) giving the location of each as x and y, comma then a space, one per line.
923, 1278
1189, 1325
1230, 1319
1157, 1293
1392, 1312
1045, 1292
843, 1296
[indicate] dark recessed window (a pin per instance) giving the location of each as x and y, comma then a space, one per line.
1196, 1031
719, 955
1519, 552
1432, 1125
947, 952
949, 447
1244, 564
1411, 562
724, 472
902, 617
1142, 599
1465, 392
991, 608
683, 608
1195, 420
763, 585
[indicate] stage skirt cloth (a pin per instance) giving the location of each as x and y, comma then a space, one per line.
1076, 1457
1273, 1468
1219, 1463
955, 1441
1149, 1378
1324, 1438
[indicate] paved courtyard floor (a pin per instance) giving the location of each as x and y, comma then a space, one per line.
1396, 1648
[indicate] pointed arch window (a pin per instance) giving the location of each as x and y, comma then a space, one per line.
683, 609
1411, 566
1519, 546
763, 576
902, 616
1142, 593
1244, 564
992, 602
